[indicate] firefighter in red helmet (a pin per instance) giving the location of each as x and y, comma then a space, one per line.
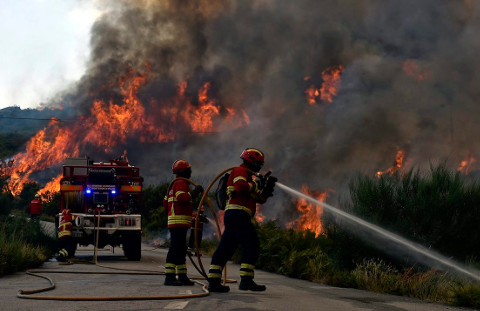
243, 194
178, 204
66, 243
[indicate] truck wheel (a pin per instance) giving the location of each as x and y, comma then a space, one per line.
132, 246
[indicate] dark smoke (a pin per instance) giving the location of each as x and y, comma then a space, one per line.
256, 55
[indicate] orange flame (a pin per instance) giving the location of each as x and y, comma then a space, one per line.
112, 124
52, 186
411, 68
331, 83
312, 93
48, 147
329, 88
311, 214
465, 165
259, 217
201, 117
397, 164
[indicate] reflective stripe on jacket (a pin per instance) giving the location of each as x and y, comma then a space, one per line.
242, 192
179, 204
65, 226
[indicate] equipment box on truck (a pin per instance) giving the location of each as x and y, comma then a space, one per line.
104, 198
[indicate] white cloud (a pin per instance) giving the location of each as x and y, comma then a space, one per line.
45, 45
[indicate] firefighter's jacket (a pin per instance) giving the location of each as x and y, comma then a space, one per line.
178, 204
65, 226
35, 207
242, 191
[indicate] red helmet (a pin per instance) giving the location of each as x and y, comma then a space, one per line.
254, 158
66, 211
180, 166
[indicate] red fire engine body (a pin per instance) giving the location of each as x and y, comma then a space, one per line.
103, 198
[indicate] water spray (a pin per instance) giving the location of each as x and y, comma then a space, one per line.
384, 233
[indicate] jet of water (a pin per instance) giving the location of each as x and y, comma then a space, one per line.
384, 233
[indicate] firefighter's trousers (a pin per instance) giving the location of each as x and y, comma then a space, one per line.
178, 245
66, 246
239, 230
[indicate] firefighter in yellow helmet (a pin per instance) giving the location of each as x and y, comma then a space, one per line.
178, 204
67, 244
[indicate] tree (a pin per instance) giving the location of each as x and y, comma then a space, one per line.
26, 196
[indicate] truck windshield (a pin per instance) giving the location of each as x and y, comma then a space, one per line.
101, 177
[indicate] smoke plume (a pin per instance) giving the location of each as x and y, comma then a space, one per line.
409, 83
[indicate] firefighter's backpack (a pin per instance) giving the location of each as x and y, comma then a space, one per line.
221, 193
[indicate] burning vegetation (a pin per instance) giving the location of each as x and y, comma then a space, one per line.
310, 215
397, 165
111, 124
330, 86
465, 166
412, 69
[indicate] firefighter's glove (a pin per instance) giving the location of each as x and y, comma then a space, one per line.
258, 185
260, 181
198, 190
202, 218
269, 185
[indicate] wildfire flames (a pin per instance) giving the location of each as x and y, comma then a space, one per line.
259, 216
310, 214
465, 165
397, 164
52, 186
411, 68
329, 88
111, 124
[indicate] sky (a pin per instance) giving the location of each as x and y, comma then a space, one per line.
45, 46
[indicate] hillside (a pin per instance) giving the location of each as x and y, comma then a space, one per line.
26, 122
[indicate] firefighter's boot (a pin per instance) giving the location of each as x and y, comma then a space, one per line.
214, 285
247, 283
184, 280
62, 255
171, 280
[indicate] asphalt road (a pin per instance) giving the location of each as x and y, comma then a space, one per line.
282, 293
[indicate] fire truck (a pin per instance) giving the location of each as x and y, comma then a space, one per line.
104, 199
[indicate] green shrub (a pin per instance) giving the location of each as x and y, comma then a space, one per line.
293, 253
10, 254
26, 196
377, 276
154, 217
467, 295
51, 204
6, 203
23, 245
438, 209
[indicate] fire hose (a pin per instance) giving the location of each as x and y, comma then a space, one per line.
28, 294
